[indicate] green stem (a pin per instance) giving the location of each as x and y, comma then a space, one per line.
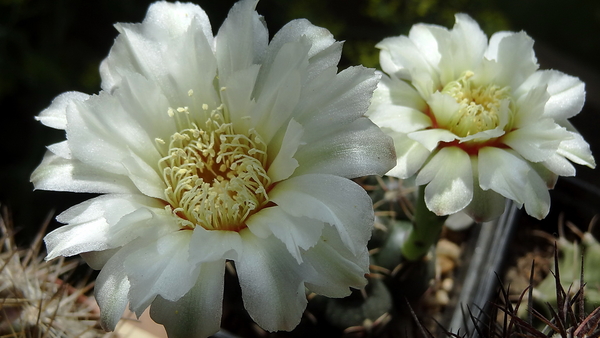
425, 232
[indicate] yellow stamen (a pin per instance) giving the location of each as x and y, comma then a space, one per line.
479, 105
215, 177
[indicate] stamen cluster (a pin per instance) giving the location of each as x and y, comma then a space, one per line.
215, 177
479, 105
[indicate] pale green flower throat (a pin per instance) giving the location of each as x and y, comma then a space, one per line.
215, 178
479, 105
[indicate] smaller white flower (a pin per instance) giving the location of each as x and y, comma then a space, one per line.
210, 149
476, 120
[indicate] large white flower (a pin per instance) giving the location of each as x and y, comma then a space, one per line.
208, 149
476, 120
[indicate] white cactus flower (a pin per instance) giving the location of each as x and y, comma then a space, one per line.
213, 149
476, 120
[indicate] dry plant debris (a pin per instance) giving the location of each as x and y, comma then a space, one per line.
35, 300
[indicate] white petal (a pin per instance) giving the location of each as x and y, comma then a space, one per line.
398, 105
460, 220
486, 204
61, 149
449, 180
110, 207
567, 93
517, 59
130, 51
70, 240
537, 198
147, 104
359, 149
410, 156
97, 259
503, 172
332, 199
174, 41
55, 116
213, 245
549, 177
483, 135
559, 165
198, 312
424, 83
400, 56
430, 138
329, 105
324, 60
173, 19
272, 283
242, 39
59, 174
284, 163
577, 150
425, 38
143, 222
159, 267
324, 52
89, 225
511, 176
277, 99
336, 269
144, 176
444, 108
537, 142
488, 72
295, 232
237, 97
399, 93
530, 107
101, 133
464, 51
319, 38
400, 119
387, 63
491, 53
112, 287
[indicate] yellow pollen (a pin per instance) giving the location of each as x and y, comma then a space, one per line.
215, 178
479, 105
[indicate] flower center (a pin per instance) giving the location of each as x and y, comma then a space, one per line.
215, 178
479, 105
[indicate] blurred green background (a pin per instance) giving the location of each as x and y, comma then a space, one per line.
51, 46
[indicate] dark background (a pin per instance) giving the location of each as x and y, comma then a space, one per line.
49, 47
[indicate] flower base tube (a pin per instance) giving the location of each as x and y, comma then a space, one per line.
426, 230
